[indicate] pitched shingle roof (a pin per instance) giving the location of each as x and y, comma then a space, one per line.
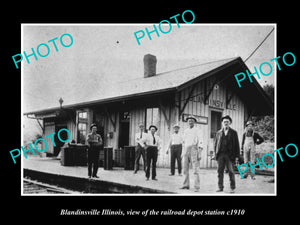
162, 82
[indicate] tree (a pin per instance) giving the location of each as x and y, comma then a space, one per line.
269, 89
265, 126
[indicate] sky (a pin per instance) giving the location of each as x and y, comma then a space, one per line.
104, 54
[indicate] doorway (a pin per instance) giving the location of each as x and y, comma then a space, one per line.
215, 122
214, 125
124, 129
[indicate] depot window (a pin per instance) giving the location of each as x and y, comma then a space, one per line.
82, 127
152, 117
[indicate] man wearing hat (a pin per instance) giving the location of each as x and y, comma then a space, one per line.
153, 145
249, 141
226, 151
191, 153
140, 139
175, 146
94, 141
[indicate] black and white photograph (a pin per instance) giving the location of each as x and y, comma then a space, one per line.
131, 109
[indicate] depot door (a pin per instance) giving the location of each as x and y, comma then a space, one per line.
214, 126
124, 129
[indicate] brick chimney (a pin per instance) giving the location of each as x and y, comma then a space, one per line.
149, 65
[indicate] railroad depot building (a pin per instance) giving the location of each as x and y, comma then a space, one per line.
207, 91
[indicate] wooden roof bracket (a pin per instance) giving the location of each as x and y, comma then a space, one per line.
208, 92
167, 118
228, 97
185, 102
42, 127
113, 122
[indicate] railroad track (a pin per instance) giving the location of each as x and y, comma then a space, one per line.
35, 187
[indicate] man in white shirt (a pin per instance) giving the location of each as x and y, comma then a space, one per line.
153, 145
94, 142
175, 146
140, 138
192, 153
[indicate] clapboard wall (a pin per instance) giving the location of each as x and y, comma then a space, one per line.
195, 106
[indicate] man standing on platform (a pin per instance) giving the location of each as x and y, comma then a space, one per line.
226, 151
193, 146
175, 146
153, 145
94, 142
249, 141
140, 139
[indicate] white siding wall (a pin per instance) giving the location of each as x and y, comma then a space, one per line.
49, 129
194, 107
200, 109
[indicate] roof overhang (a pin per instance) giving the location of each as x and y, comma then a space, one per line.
48, 112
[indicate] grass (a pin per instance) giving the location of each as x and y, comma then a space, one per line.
263, 148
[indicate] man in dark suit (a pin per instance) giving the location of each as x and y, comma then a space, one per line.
94, 142
226, 150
